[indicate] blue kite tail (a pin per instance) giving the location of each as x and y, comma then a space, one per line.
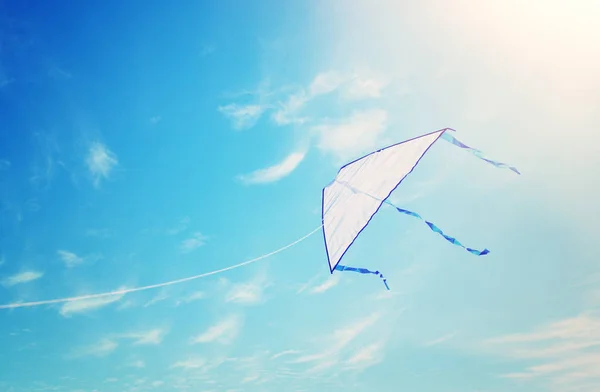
449, 138
362, 271
440, 232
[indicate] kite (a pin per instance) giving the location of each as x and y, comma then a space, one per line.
349, 203
362, 186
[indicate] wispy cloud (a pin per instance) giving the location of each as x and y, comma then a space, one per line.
150, 337
195, 296
159, 297
192, 363
138, 364
364, 87
100, 349
337, 342
243, 116
285, 353
181, 226
567, 352
441, 339
70, 259
329, 283
246, 293
155, 120
87, 305
289, 112
225, 331
4, 164
100, 162
195, 241
292, 107
366, 356
275, 172
98, 233
349, 137
21, 278
59, 73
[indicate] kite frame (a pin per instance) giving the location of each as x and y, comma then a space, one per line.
331, 269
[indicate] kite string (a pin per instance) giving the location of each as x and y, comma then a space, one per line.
158, 285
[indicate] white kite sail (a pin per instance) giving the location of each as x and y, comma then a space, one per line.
361, 187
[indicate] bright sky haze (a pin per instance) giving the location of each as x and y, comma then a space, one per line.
144, 143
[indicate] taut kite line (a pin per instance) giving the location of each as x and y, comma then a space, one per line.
349, 203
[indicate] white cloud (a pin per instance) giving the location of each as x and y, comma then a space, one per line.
138, 364
250, 378
195, 296
330, 283
99, 233
288, 111
100, 162
155, 120
359, 133
345, 335
363, 88
127, 304
195, 241
325, 83
100, 349
225, 331
565, 353
285, 353
157, 384
183, 224
23, 277
441, 339
296, 107
275, 172
86, 305
366, 356
337, 342
243, 116
69, 258
151, 337
159, 297
188, 364
4, 164
245, 293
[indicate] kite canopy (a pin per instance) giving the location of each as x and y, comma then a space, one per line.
361, 187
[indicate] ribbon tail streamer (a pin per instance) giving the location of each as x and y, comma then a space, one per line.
448, 238
362, 271
449, 138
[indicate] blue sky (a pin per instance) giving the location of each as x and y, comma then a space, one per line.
144, 144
